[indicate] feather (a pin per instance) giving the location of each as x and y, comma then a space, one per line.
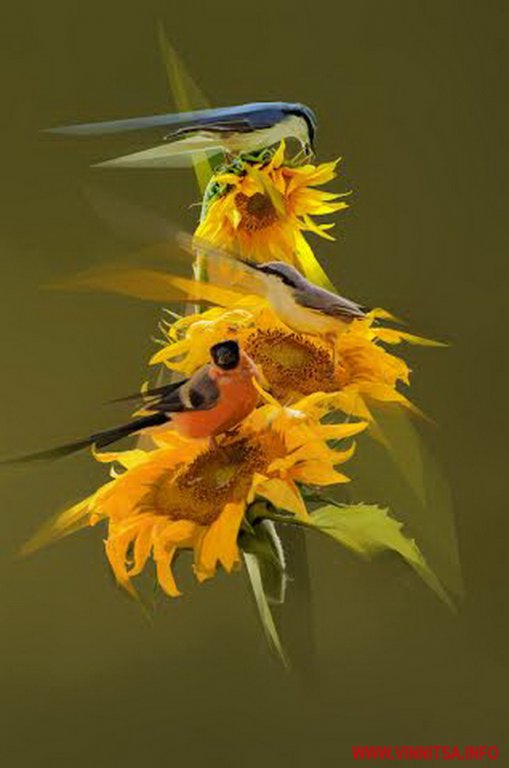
100, 439
175, 154
149, 393
258, 115
152, 285
329, 303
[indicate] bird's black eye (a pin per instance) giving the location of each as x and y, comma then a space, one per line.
226, 355
196, 398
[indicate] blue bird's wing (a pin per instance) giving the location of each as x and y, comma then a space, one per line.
247, 116
236, 126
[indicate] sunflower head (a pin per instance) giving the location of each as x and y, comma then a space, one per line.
256, 211
294, 365
260, 206
222, 473
189, 495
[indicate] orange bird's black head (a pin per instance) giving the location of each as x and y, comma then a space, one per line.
226, 355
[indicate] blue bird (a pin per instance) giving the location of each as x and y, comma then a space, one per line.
231, 130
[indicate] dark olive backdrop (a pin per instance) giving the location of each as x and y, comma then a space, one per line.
410, 94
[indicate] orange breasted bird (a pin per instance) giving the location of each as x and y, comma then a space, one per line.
213, 400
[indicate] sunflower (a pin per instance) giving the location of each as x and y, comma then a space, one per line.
192, 495
261, 209
293, 365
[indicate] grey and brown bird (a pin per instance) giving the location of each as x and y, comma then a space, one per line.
300, 304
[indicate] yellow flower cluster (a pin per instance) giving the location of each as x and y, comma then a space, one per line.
193, 495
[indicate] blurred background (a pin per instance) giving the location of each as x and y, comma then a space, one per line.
410, 94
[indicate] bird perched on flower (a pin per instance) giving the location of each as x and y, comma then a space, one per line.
300, 304
213, 400
260, 206
294, 365
231, 130
186, 495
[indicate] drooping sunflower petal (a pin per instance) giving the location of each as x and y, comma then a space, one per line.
142, 547
310, 265
117, 545
284, 494
219, 542
394, 336
163, 558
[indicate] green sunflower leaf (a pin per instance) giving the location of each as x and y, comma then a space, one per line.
368, 529
253, 569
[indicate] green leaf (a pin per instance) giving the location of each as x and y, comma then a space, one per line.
367, 529
258, 543
255, 578
262, 540
419, 490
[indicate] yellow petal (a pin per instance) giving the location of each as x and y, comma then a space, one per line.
177, 532
169, 351
164, 572
116, 547
315, 473
310, 265
284, 495
127, 459
393, 336
317, 229
219, 543
227, 178
142, 548
266, 396
278, 156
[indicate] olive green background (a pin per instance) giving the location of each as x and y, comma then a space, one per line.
409, 92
